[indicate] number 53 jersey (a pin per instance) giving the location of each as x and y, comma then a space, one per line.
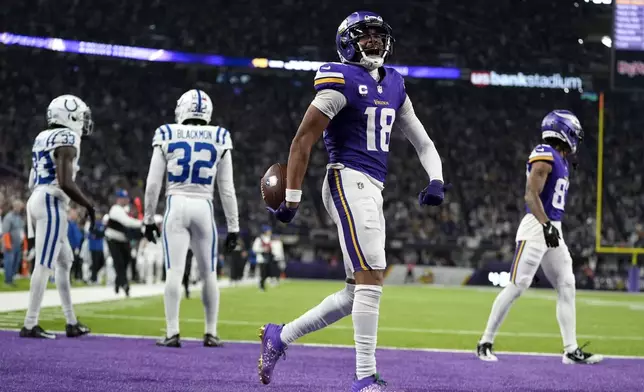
553, 196
358, 136
192, 153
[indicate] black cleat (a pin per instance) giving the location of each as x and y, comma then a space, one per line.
76, 330
580, 357
172, 341
127, 290
36, 332
212, 341
485, 352
187, 291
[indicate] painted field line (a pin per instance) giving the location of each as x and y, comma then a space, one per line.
345, 346
90, 315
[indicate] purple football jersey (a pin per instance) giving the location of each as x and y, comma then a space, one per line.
359, 135
555, 191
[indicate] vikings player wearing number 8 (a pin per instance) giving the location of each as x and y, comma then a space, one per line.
538, 237
192, 153
359, 102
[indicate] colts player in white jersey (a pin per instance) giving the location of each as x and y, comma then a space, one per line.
539, 241
55, 156
358, 104
192, 153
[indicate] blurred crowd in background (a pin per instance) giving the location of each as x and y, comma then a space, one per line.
484, 135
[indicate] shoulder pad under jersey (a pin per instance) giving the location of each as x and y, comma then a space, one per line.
223, 139
62, 137
542, 152
330, 75
162, 135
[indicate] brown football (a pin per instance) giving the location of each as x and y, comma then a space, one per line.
273, 185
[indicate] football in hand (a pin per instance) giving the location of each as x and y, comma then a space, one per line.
273, 185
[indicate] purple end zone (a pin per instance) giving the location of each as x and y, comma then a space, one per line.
94, 363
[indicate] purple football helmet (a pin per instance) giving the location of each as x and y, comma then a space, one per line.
563, 125
358, 25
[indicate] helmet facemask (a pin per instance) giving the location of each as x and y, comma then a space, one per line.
367, 43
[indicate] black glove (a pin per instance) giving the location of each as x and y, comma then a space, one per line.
152, 232
551, 234
231, 242
91, 215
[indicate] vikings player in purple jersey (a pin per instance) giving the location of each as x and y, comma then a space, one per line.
539, 241
358, 104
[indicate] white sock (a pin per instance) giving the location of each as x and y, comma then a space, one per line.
210, 298
333, 308
64, 291
37, 289
172, 300
566, 317
500, 309
365, 328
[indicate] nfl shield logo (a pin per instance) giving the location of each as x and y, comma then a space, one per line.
379, 89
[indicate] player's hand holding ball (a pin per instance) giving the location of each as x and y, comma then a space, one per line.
273, 187
434, 193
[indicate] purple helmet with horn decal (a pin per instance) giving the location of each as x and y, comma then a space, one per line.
563, 125
377, 42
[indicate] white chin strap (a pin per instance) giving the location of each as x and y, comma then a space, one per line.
371, 62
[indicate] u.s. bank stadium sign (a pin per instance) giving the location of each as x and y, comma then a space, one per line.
555, 81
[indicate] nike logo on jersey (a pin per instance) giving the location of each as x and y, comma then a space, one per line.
540, 149
327, 67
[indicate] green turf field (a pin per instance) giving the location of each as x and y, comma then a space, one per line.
410, 316
23, 284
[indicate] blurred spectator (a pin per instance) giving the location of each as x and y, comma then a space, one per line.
13, 226
75, 237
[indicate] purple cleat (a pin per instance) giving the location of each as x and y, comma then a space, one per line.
272, 350
370, 384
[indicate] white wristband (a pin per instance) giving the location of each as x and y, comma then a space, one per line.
293, 195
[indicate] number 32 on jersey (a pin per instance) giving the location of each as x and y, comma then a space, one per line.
379, 123
190, 167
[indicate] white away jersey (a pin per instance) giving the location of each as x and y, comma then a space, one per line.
192, 153
44, 162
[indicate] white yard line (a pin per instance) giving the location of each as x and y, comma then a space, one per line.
19, 300
323, 345
426, 331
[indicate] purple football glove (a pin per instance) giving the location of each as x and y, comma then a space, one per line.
283, 213
434, 194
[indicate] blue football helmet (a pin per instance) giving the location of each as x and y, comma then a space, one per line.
563, 125
357, 26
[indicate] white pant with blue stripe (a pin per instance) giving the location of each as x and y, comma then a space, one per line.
189, 222
47, 217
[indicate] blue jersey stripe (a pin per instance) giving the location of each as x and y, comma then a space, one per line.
165, 233
169, 131
213, 249
48, 233
55, 240
218, 134
198, 101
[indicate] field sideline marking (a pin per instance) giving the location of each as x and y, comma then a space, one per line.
346, 346
381, 328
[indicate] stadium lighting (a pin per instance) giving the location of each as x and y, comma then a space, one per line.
581, 41
607, 41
